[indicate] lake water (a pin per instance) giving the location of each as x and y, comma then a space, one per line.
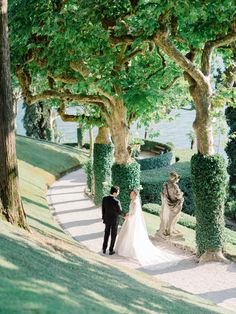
170, 131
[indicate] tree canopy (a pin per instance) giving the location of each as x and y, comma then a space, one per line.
67, 50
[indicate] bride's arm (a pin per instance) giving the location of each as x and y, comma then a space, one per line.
132, 209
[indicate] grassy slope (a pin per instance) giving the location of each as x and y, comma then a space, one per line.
47, 272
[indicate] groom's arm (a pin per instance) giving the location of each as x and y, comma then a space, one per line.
103, 209
119, 208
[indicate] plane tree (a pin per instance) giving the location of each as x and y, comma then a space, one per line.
67, 51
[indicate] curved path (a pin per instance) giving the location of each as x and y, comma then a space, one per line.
78, 216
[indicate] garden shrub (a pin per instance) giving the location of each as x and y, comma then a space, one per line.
230, 150
89, 171
127, 177
102, 163
155, 162
209, 185
80, 136
188, 221
158, 161
152, 182
230, 209
135, 146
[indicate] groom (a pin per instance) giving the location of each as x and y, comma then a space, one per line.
111, 209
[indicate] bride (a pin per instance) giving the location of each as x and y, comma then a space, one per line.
133, 241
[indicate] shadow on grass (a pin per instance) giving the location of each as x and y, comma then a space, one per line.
50, 226
35, 280
30, 201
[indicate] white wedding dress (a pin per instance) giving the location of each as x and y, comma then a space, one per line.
133, 241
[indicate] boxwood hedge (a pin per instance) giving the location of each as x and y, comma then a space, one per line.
209, 186
188, 221
155, 162
127, 177
102, 163
158, 161
152, 182
89, 171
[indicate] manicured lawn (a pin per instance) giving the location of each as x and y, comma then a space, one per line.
47, 272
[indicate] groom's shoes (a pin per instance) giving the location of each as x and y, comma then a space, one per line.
104, 251
112, 252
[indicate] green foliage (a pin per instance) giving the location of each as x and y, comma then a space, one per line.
135, 145
230, 209
89, 171
102, 163
156, 162
127, 177
209, 184
44, 39
188, 221
80, 136
152, 182
230, 149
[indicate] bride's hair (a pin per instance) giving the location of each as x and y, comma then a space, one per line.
135, 191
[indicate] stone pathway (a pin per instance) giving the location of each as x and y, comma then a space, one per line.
78, 216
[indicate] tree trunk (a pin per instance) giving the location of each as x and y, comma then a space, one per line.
205, 146
120, 133
202, 124
11, 206
103, 136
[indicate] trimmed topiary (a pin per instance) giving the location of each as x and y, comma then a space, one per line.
152, 182
155, 162
89, 172
80, 137
102, 162
127, 177
188, 221
230, 150
209, 185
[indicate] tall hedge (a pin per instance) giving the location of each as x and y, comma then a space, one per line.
80, 136
89, 172
127, 177
230, 150
102, 163
152, 182
209, 185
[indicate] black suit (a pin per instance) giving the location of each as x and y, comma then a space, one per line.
111, 209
